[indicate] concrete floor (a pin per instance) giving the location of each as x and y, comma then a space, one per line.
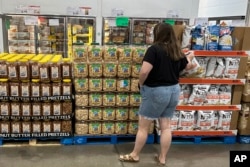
107, 155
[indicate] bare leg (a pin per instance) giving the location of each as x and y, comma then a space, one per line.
141, 137
166, 138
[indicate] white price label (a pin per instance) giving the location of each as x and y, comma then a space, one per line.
54, 22
31, 20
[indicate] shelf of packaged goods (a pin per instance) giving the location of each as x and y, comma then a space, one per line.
82, 35
212, 81
209, 107
205, 133
220, 53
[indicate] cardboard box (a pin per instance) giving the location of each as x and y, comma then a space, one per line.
179, 29
244, 120
241, 38
246, 98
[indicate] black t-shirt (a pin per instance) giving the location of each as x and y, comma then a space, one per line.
165, 71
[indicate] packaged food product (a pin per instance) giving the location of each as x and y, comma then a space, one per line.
81, 84
194, 72
36, 109
175, 120
123, 84
198, 38
57, 108
66, 69
122, 99
44, 70
135, 99
56, 126
55, 69
12, 66
109, 84
67, 108
135, 70
80, 53
108, 127
132, 127
35, 88
225, 94
95, 53
186, 37
26, 127
45, 89
133, 113
211, 67
15, 109
95, 69
14, 89
109, 69
186, 120
81, 128
36, 127
224, 120
95, 114
219, 70
213, 95
26, 109
95, 128
232, 66
46, 109
124, 70
4, 87
56, 89
25, 89
225, 40
198, 95
134, 85
109, 99
121, 127
110, 53
80, 70
5, 108
5, 127
212, 34
108, 113
34, 67
138, 54
203, 62
81, 100
204, 120
95, 84
66, 87
81, 114
121, 113
16, 127
23, 68
46, 126
3, 68
125, 54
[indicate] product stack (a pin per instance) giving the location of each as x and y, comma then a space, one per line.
35, 94
107, 97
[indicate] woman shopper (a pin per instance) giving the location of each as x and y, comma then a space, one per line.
159, 88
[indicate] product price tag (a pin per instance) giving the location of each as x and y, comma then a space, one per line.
117, 12
54, 22
122, 21
31, 20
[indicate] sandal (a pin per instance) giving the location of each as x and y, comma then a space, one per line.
127, 158
158, 161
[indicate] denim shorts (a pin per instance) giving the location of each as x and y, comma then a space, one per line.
159, 102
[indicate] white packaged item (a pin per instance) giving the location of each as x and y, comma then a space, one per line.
211, 67
174, 120
184, 94
196, 70
219, 71
203, 62
186, 120
186, 37
232, 66
181, 98
213, 95
224, 120
215, 120
204, 120
199, 94
225, 93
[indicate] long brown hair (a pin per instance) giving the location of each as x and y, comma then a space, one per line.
165, 37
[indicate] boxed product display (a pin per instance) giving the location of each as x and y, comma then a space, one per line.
81, 128
108, 113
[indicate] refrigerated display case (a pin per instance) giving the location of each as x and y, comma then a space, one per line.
51, 37
142, 30
115, 34
80, 30
20, 37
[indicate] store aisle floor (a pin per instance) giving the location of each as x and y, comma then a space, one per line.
107, 155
